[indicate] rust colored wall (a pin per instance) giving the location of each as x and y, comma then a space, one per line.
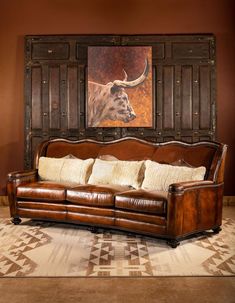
19, 18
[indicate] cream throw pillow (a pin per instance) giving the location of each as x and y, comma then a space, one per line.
129, 173
76, 170
160, 176
65, 170
49, 168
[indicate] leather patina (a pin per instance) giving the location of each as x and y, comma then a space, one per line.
186, 209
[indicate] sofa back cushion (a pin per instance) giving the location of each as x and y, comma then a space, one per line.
160, 176
129, 173
49, 168
65, 169
206, 154
76, 170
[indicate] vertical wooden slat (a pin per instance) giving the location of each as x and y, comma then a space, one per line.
82, 79
54, 97
45, 105
63, 99
28, 115
159, 101
35, 141
205, 107
187, 98
168, 97
36, 97
195, 99
177, 101
72, 97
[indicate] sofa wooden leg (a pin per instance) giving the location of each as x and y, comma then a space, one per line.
16, 220
217, 230
173, 243
94, 229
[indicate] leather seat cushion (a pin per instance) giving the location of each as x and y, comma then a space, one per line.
142, 201
43, 190
94, 195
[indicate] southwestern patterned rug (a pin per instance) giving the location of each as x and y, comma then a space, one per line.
39, 249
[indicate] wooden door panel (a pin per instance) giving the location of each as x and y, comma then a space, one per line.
187, 98
54, 97
72, 98
36, 97
168, 97
184, 105
189, 50
50, 51
45, 99
205, 100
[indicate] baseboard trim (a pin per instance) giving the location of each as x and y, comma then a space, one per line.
227, 201
4, 201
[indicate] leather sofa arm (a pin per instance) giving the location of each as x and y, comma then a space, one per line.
193, 207
15, 179
189, 185
23, 176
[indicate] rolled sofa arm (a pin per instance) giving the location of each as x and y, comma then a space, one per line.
25, 175
15, 179
183, 186
193, 207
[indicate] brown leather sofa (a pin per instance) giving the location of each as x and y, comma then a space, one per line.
186, 209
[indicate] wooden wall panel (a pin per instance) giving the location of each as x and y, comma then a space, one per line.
184, 105
158, 88
205, 102
54, 98
196, 108
72, 95
36, 98
63, 100
168, 97
189, 50
45, 100
187, 98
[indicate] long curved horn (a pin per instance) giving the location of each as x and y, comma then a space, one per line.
125, 75
135, 82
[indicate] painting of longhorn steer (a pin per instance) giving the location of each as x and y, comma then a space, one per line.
126, 100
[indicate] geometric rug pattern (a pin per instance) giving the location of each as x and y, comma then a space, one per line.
45, 249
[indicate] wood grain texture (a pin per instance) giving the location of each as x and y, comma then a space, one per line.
183, 80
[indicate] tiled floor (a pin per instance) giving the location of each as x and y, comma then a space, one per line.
128, 290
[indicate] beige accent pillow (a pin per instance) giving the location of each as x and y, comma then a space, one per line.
160, 176
49, 168
65, 170
76, 170
129, 173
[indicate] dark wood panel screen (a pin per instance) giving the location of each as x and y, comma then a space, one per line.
55, 88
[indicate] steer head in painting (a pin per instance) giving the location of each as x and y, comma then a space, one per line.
110, 101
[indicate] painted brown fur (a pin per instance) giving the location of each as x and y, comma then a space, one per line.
110, 101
